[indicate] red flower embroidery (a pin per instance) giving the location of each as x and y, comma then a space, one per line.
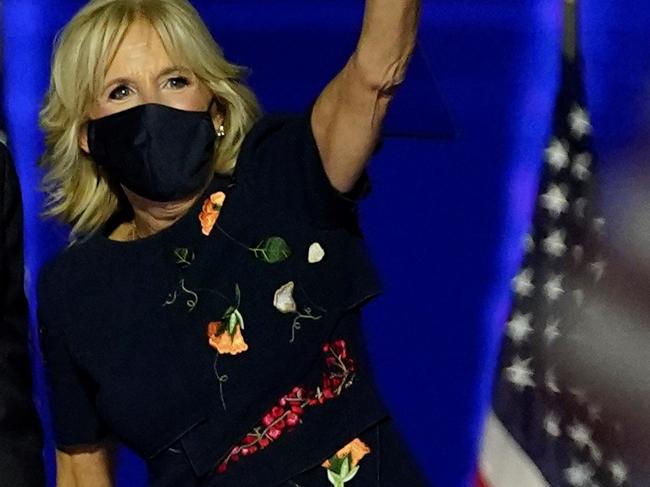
286, 414
210, 211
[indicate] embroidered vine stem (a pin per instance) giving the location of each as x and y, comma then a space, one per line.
213, 291
222, 379
171, 299
270, 250
307, 315
231, 237
193, 300
261, 435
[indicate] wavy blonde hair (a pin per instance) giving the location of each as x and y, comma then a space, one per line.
77, 191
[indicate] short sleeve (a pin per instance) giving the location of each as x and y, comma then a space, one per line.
71, 391
281, 163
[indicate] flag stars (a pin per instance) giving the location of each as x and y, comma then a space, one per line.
553, 288
581, 166
520, 374
552, 425
551, 382
552, 331
619, 472
522, 284
555, 200
554, 244
596, 454
599, 225
580, 434
519, 327
597, 269
579, 474
579, 122
557, 154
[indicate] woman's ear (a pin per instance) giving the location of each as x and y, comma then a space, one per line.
83, 138
217, 113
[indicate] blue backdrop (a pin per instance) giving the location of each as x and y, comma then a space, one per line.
453, 184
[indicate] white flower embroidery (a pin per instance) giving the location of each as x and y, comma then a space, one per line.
283, 299
316, 253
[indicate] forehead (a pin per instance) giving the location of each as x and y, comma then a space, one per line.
140, 49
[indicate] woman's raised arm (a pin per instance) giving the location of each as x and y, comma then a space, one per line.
348, 114
85, 467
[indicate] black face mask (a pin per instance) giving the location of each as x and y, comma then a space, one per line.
158, 152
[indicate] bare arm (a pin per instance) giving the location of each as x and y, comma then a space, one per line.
85, 467
348, 114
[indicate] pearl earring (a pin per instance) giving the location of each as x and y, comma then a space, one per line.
221, 131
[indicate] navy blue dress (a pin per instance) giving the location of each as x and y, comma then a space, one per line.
226, 350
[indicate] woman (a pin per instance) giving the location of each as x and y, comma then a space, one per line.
207, 312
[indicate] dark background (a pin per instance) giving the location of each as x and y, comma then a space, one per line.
454, 182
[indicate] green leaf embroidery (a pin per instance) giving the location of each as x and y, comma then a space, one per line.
240, 318
334, 479
339, 471
336, 463
232, 317
351, 475
228, 312
184, 256
232, 322
345, 467
237, 295
272, 250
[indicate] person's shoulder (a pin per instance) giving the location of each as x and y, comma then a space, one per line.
273, 126
63, 267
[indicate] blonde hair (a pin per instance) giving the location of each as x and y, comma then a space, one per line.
77, 191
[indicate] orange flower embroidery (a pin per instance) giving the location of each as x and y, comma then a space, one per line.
356, 449
224, 342
210, 211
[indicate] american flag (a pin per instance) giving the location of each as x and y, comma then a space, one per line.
544, 428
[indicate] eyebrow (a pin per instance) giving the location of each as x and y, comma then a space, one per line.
164, 72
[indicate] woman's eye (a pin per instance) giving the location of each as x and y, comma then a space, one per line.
178, 82
120, 92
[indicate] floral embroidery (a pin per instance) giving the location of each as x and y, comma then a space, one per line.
316, 253
287, 413
344, 464
283, 298
272, 250
223, 342
284, 303
210, 211
225, 335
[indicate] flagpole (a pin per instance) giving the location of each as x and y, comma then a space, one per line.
570, 38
